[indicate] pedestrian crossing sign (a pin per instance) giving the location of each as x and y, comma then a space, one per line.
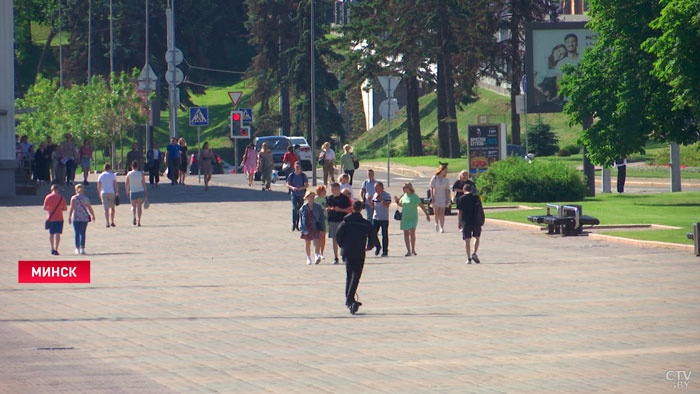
199, 116
247, 114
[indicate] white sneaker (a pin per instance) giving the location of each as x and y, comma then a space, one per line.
323, 257
82, 250
318, 258
442, 229
437, 227
77, 251
308, 260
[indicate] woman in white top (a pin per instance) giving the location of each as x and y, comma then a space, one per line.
440, 196
136, 189
327, 158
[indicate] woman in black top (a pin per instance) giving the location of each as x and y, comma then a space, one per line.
42, 158
183, 160
459, 185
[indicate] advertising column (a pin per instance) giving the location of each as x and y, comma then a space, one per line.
486, 145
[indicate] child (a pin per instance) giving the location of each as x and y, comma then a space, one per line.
470, 219
346, 185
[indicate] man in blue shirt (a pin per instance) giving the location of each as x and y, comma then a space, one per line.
173, 161
367, 192
297, 182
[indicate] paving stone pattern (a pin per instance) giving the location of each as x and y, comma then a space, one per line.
212, 294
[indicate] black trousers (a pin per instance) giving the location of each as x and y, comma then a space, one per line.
154, 173
70, 170
173, 170
621, 175
353, 271
384, 225
351, 173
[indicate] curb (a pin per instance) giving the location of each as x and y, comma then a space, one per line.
395, 169
641, 243
609, 238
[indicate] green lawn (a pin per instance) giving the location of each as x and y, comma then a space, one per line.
373, 142
671, 209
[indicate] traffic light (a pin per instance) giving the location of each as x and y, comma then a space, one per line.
238, 130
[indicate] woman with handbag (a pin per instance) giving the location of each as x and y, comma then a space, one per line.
312, 224
347, 162
136, 190
327, 160
409, 204
81, 213
55, 204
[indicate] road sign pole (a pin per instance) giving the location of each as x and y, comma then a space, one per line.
199, 154
388, 141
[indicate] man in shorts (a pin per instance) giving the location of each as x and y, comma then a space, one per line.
470, 219
338, 206
108, 189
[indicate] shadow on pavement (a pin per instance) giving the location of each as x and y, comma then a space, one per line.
164, 193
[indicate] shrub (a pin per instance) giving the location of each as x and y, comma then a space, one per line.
573, 149
563, 153
515, 179
542, 140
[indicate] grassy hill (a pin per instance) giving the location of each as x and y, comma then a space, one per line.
373, 142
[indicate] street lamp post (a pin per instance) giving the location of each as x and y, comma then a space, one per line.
313, 100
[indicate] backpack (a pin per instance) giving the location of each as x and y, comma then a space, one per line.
479, 216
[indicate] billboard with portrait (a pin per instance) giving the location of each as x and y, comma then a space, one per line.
548, 47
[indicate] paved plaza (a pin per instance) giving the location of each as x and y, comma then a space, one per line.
212, 294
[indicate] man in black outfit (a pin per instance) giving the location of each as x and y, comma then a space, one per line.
470, 218
355, 235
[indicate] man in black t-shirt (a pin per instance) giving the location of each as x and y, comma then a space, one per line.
470, 219
338, 205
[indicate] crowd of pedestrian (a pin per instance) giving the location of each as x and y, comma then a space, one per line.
339, 214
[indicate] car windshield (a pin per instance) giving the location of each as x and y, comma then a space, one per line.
298, 140
275, 144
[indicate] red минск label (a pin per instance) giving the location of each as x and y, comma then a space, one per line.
54, 272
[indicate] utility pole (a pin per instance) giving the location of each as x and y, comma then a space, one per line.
173, 75
60, 42
111, 41
313, 100
89, 49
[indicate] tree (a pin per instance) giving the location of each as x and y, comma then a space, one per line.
328, 120
613, 83
387, 38
677, 51
463, 34
506, 57
542, 140
270, 66
93, 111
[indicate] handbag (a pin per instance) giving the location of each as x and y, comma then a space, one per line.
146, 204
397, 215
46, 224
355, 162
116, 200
323, 157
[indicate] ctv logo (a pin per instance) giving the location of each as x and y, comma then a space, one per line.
681, 378
53, 272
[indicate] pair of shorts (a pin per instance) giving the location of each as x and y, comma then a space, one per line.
469, 231
108, 200
332, 229
136, 195
56, 227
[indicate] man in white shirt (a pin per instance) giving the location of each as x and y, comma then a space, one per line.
367, 192
108, 189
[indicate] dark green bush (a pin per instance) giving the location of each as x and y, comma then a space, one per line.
515, 179
542, 140
563, 153
573, 149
